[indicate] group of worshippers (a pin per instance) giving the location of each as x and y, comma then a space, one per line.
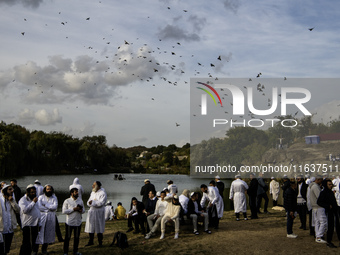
319, 197
37, 216
158, 208
256, 191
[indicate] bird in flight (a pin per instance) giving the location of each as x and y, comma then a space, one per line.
311, 29
177, 125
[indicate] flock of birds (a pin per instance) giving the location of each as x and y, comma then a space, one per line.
148, 55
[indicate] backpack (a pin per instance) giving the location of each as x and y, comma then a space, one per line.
121, 240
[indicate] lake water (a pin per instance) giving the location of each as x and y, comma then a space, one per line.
117, 191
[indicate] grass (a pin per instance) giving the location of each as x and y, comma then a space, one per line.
267, 235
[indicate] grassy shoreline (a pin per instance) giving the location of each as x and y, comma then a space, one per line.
267, 235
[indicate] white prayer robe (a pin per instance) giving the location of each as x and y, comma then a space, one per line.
183, 200
237, 193
95, 221
77, 185
47, 206
39, 189
274, 189
214, 198
109, 212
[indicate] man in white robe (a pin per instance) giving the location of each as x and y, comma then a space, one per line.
48, 205
39, 188
215, 207
219, 203
95, 221
78, 186
274, 190
30, 218
8, 221
238, 191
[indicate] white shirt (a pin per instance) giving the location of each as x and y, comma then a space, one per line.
29, 212
183, 200
160, 207
39, 189
73, 218
6, 216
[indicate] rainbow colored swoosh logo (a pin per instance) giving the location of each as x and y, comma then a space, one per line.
209, 93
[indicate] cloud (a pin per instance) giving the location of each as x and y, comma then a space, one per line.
45, 119
42, 117
25, 3
83, 78
25, 117
179, 32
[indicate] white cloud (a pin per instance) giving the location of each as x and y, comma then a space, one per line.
45, 119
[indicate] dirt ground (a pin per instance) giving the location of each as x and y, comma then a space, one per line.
266, 235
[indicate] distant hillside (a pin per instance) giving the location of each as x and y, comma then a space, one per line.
303, 153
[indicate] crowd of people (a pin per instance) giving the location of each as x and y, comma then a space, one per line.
319, 198
35, 211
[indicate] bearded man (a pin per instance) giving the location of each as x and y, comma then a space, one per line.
30, 218
48, 205
95, 221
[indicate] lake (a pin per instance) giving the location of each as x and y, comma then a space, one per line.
117, 191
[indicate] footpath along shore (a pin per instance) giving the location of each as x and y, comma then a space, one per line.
266, 235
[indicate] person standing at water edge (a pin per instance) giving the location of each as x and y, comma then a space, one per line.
302, 201
8, 222
319, 215
77, 185
238, 191
290, 204
73, 207
39, 187
17, 196
95, 221
30, 218
252, 193
262, 189
219, 185
274, 190
146, 189
209, 195
48, 205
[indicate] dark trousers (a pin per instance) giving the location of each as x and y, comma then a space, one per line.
29, 236
213, 217
138, 221
253, 208
6, 245
302, 211
290, 222
57, 229
68, 234
311, 228
99, 236
333, 219
259, 200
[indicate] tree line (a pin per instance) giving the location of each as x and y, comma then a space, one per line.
24, 152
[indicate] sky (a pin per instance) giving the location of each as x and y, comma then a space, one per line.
122, 68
